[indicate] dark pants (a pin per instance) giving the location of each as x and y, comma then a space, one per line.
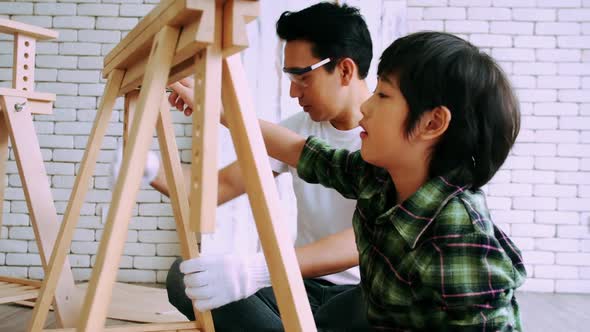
334, 307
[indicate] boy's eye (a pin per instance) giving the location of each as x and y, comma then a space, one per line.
380, 95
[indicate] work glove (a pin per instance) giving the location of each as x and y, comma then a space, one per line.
214, 281
149, 174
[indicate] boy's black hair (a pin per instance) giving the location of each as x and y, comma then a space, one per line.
335, 31
438, 69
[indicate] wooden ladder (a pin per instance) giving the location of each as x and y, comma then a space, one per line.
176, 39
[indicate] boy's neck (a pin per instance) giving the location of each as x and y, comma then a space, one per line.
349, 118
408, 180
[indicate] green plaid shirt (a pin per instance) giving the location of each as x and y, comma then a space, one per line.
435, 262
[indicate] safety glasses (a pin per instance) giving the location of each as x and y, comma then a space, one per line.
294, 73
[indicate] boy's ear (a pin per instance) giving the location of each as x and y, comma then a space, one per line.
346, 68
435, 123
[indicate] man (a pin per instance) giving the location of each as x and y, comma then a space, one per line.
327, 56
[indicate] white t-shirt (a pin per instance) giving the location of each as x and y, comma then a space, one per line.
321, 211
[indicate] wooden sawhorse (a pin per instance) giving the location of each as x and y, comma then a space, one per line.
176, 39
17, 106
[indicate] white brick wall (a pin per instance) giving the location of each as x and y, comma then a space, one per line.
541, 197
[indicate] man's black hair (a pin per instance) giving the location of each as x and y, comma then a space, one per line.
335, 31
439, 69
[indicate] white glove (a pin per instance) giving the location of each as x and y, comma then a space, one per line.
214, 281
149, 174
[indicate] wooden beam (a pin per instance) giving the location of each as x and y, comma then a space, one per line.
128, 113
39, 200
189, 326
70, 220
27, 282
3, 160
23, 70
177, 13
13, 27
262, 193
38, 102
207, 104
100, 288
237, 13
179, 197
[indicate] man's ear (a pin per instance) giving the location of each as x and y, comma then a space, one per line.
346, 68
435, 123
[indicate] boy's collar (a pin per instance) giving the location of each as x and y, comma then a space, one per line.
413, 216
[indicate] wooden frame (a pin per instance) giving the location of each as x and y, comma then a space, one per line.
176, 39
17, 105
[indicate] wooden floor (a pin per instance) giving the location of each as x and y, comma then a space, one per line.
540, 313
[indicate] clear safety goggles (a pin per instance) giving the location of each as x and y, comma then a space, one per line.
294, 73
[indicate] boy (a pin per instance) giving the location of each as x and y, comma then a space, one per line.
438, 126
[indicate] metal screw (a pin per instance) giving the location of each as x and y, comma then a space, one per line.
19, 106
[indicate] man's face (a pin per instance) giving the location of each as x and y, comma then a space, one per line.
318, 92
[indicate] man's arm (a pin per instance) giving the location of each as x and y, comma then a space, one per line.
281, 143
230, 182
332, 254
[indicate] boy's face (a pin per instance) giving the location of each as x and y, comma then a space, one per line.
320, 94
384, 114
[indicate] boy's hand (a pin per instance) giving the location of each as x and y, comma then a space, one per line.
182, 95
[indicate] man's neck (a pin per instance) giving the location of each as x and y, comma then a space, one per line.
350, 117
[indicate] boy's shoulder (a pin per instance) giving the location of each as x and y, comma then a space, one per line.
464, 214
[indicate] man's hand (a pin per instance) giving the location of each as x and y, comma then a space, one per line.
214, 281
182, 95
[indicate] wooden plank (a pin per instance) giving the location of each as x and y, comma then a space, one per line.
179, 196
13, 27
207, 104
132, 303
237, 13
35, 283
129, 110
23, 70
3, 160
38, 102
30, 95
194, 37
177, 13
68, 226
39, 201
191, 326
20, 295
262, 193
10, 286
15, 289
125, 192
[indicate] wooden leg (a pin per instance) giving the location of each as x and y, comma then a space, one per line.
111, 246
130, 104
205, 130
178, 197
263, 196
77, 197
3, 159
40, 202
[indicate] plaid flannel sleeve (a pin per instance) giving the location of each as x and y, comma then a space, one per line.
333, 168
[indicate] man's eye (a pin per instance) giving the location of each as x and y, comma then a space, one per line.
380, 95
